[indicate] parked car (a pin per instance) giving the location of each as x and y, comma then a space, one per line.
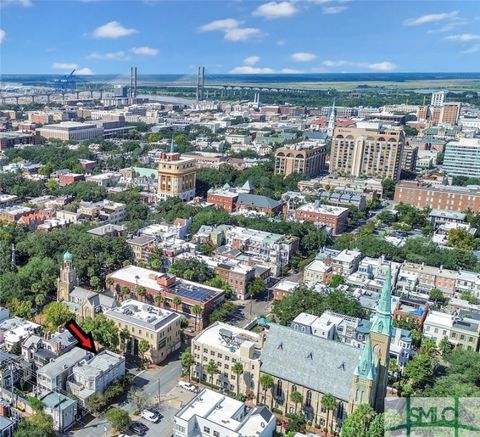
138, 428
150, 416
188, 386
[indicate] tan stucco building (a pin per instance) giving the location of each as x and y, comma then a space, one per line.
176, 176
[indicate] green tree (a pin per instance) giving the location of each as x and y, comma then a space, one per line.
329, 402
118, 418
141, 292
212, 369
39, 424
143, 348
104, 330
238, 370
388, 186
192, 270
297, 398
266, 381
177, 301
445, 346
139, 399
124, 337
36, 404
159, 299
460, 238
336, 281
187, 361
56, 314
357, 424
196, 311
96, 402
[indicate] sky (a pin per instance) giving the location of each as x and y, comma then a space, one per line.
284, 36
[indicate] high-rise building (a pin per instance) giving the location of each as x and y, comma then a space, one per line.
176, 176
307, 157
368, 149
438, 98
462, 157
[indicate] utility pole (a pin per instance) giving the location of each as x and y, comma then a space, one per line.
159, 394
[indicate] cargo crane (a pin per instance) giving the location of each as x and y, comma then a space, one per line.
68, 83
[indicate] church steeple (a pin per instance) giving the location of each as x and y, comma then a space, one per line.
67, 280
382, 318
366, 367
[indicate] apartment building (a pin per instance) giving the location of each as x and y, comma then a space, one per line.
306, 158
335, 218
214, 414
71, 130
462, 157
169, 286
409, 157
176, 176
345, 262
227, 345
462, 329
54, 375
367, 150
104, 211
142, 247
236, 275
94, 375
370, 188
317, 272
422, 278
159, 327
444, 197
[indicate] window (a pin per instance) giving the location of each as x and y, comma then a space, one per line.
279, 388
216, 434
206, 429
308, 399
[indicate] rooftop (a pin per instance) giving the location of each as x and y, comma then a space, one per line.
147, 316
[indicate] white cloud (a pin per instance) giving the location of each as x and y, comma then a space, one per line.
145, 51
112, 30
246, 69
303, 57
64, 66
2, 35
291, 71
430, 18
226, 24
331, 10
232, 29
378, 66
382, 66
241, 33
85, 71
251, 60
24, 3
463, 37
280, 42
81, 71
109, 56
273, 10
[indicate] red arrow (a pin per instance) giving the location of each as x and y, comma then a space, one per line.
85, 341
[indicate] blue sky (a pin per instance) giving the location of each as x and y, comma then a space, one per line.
100, 36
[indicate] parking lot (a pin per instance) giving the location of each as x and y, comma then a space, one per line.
172, 398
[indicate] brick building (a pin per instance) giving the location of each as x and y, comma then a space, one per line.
333, 217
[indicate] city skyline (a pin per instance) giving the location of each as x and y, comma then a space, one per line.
317, 36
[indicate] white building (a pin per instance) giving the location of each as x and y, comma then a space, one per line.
15, 330
71, 130
227, 345
94, 375
213, 414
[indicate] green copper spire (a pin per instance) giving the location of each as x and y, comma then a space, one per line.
366, 368
382, 318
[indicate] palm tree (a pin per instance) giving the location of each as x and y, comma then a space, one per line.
266, 381
142, 292
238, 370
187, 361
40, 300
177, 300
124, 291
159, 299
124, 337
297, 398
212, 369
196, 310
329, 402
109, 281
